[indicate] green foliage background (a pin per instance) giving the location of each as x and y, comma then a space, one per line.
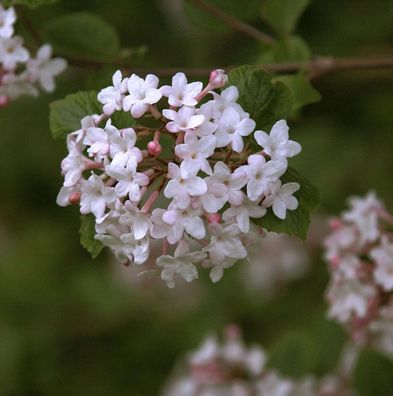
68, 325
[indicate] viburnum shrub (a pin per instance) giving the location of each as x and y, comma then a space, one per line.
360, 255
180, 165
19, 71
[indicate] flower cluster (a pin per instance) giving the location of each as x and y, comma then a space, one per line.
360, 255
197, 194
19, 72
229, 368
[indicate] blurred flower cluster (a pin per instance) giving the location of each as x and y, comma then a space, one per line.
229, 368
19, 71
198, 201
359, 251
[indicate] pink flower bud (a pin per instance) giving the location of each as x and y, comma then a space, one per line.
154, 148
335, 224
334, 262
213, 218
4, 100
218, 78
74, 198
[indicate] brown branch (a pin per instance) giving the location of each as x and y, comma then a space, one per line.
233, 22
314, 69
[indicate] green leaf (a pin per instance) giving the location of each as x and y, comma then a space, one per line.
28, 3
297, 221
87, 232
265, 101
65, 114
373, 375
83, 35
289, 49
283, 15
302, 91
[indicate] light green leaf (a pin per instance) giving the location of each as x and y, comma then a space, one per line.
283, 15
83, 35
302, 91
264, 100
65, 114
297, 221
28, 3
87, 232
289, 49
373, 375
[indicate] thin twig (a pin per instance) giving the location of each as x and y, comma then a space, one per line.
233, 22
315, 68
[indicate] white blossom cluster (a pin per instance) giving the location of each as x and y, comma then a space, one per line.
19, 71
198, 199
229, 368
360, 255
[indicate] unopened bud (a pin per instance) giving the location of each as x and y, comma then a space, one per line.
335, 224
154, 148
75, 198
4, 100
213, 218
218, 78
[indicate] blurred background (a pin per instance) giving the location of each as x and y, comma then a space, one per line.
73, 326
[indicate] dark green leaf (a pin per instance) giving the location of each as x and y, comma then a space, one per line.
265, 101
66, 114
302, 90
283, 15
87, 232
289, 49
83, 35
28, 3
297, 221
374, 375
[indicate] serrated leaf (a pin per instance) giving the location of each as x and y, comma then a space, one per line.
289, 49
65, 114
297, 221
302, 90
373, 375
83, 35
28, 3
87, 231
283, 15
265, 101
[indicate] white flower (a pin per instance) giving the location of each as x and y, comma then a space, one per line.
63, 198
122, 147
95, 196
242, 213
180, 221
136, 219
98, 141
231, 129
217, 271
223, 186
383, 255
181, 263
7, 20
227, 98
260, 174
13, 86
181, 93
281, 198
349, 297
194, 152
112, 97
364, 213
224, 242
277, 144
43, 68
142, 93
273, 385
183, 120
72, 166
12, 52
128, 179
183, 184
